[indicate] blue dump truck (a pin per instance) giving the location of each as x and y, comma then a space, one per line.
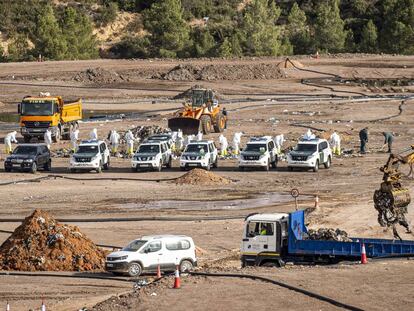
274, 239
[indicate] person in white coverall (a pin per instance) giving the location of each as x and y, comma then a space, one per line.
129, 137
188, 139
114, 140
8, 140
179, 141
74, 137
223, 145
93, 135
200, 136
48, 138
309, 135
279, 141
236, 142
335, 141
174, 139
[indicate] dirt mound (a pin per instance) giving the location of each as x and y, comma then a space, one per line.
187, 93
290, 63
98, 76
40, 243
259, 71
329, 234
201, 177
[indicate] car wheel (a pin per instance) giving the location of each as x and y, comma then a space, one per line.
208, 167
316, 168
267, 167
186, 266
169, 164
327, 164
33, 168
159, 168
274, 164
48, 166
99, 169
106, 165
215, 164
134, 269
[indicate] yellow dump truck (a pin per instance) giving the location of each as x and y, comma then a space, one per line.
37, 114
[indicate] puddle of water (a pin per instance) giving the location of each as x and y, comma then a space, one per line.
239, 204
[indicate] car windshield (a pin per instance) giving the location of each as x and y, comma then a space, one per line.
37, 108
196, 148
25, 150
149, 149
305, 147
255, 147
134, 246
88, 149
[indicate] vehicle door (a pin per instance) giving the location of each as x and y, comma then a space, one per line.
321, 153
45, 154
40, 156
102, 152
177, 250
260, 237
326, 150
272, 151
213, 152
164, 156
153, 254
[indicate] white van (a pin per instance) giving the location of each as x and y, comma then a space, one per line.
144, 255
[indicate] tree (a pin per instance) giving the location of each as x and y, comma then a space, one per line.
260, 34
19, 48
169, 31
298, 30
204, 43
107, 14
132, 47
78, 32
48, 39
369, 37
329, 27
225, 49
397, 34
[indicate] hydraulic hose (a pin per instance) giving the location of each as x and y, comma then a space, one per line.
281, 284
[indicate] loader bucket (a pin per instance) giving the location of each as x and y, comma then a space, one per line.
188, 126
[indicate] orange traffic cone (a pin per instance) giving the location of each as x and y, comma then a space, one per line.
363, 254
177, 281
7, 306
316, 202
158, 271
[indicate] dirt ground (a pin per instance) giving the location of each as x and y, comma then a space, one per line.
257, 107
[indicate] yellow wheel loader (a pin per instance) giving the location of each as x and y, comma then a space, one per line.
203, 114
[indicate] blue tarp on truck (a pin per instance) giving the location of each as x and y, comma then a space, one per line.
298, 244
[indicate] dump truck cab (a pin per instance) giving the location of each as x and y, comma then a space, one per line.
264, 239
38, 114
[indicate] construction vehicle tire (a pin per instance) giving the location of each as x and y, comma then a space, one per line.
219, 123
205, 122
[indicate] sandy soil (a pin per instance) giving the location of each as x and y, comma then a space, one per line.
256, 107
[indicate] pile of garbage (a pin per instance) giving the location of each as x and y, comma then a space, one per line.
212, 72
98, 76
329, 234
144, 131
40, 243
61, 153
201, 177
188, 93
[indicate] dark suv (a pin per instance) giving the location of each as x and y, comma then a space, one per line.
29, 157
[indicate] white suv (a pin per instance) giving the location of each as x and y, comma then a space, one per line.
146, 253
202, 153
90, 155
310, 154
260, 152
152, 155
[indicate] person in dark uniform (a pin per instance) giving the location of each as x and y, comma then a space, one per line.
363, 137
226, 116
389, 138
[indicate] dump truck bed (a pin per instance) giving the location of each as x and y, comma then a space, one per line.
299, 245
72, 111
